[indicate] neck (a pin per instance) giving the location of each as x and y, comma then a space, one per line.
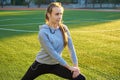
53, 25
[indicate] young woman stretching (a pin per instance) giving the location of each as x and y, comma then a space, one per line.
53, 37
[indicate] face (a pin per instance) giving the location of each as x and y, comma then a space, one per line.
56, 15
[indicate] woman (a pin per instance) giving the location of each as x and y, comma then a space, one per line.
54, 36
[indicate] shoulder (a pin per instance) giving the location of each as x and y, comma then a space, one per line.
44, 26
65, 27
43, 29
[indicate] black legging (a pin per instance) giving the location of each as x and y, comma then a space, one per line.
38, 69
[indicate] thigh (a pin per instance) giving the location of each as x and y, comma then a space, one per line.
35, 70
63, 72
66, 73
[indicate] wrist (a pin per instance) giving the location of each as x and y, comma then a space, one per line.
70, 68
75, 65
67, 66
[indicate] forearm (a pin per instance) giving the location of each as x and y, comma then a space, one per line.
75, 65
72, 52
72, 69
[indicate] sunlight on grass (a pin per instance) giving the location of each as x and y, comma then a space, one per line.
8, 13
97, 45
113, 25
20, 53
99, 53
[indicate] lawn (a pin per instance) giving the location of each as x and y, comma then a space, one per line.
95, 34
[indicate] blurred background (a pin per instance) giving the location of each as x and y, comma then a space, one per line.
66, 3
94, 26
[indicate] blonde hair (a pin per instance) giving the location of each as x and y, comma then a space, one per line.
62, 28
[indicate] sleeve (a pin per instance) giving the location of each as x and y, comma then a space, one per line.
71, 47
44, 40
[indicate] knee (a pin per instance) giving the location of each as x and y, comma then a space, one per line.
80, 77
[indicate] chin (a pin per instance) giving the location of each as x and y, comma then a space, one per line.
58, 22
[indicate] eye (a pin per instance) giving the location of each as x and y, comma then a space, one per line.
61, 13
57, 14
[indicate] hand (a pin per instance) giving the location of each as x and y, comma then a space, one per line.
72, 69
76, 73
76, 66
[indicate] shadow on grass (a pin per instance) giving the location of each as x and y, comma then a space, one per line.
7, 34
72, 18
79, 18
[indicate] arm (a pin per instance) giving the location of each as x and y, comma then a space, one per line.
51, 51
72, 49
44, 40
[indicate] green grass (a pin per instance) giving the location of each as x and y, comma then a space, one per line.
96, 37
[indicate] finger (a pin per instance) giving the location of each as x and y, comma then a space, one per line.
75, 74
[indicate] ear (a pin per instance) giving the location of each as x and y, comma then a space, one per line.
48, 14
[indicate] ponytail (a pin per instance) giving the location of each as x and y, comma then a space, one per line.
62, 28
64, 33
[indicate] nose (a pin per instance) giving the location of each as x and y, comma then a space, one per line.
60, 16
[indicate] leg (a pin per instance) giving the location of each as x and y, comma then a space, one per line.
80, 77
65, 73
34, 71
62, 72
